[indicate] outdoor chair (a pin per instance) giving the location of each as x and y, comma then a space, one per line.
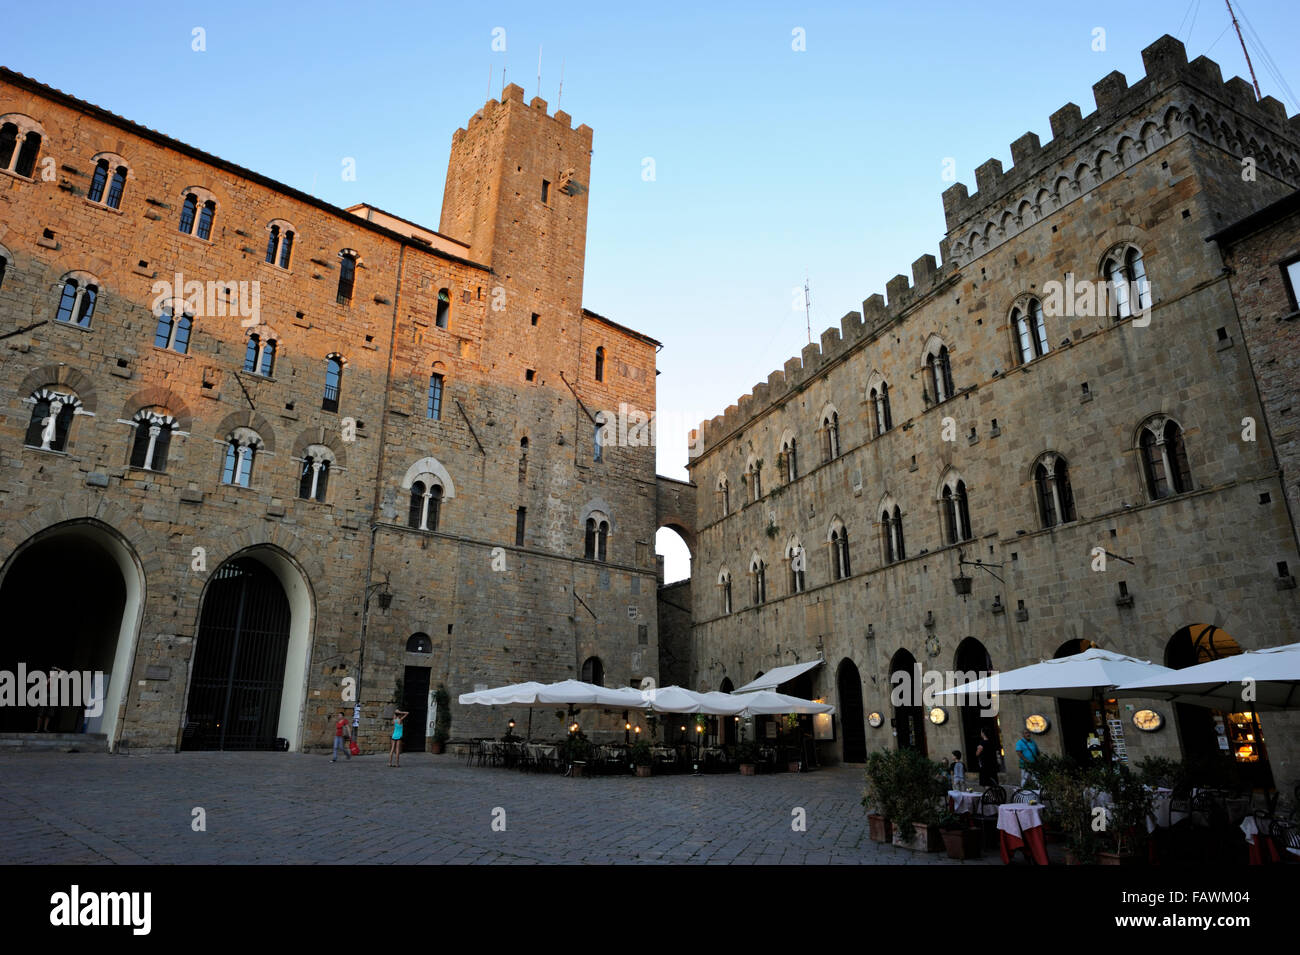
987, 819
1024, 796
1286, 837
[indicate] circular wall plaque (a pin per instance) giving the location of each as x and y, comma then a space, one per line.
1148, 720
874, 720
1037, 723
938, 715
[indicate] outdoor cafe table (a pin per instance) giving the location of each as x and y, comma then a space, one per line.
1254, 841
964, 801
1020, 825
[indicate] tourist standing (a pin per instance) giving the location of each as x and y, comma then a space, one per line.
395, 753
1027, 750
958, 771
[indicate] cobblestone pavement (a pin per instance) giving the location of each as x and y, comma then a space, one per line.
301, 808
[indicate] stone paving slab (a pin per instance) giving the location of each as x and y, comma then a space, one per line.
302, 809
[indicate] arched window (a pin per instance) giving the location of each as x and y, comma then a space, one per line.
758, 581
797, 558
938, 373
593, 671
314, 478
724, 495
891, 527
596, 542
188, 208
755, 477
600, 363
830, 432
242, 446
1031, 330
789, 462
77, 301
433, 410
880, 406
98, 181
20, 144
1052, 484
198, 212
259, 356
333, 382
839, 541
1164, 458
116, 186
171, 332
347, 276
153, 434
206, 214
426, 503
444, 308
419, 643
279, 244
1126, 275
724, 585
108, 181
956, 512
51, 420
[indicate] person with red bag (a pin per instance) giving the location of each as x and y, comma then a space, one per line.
342, 739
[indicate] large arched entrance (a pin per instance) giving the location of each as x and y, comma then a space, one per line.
729, 723
72, 597
973, 662
1082, 725
248, 680
1214, 738
849, 683
905, 693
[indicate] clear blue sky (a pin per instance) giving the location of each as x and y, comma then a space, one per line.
770, 163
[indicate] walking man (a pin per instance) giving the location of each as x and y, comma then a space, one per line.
1027, 750
342, 738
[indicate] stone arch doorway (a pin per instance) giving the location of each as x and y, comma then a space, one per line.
1081, 720
849, 683
249, 674
905, 693
1217, 738
73, 596
972, 662
729, 723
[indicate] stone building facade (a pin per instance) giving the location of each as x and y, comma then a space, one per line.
987, 467
263, 458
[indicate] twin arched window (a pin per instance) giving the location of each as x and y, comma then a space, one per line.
52, 413
1055, 496
426, 504
100, 182
1164, 459
596, 543
198, 213
758, 580
314, 479
755, 477
879, 396
1127, 275
152, 440
279, 244
20, 144
789, 462
242, 446
938, 374
724, 495
830, 432
1031, 330
259, 356
798, 559
173, 333
891, 525
839, 541
77, 301
956, 511
724, 584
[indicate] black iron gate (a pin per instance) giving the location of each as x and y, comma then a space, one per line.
239, 660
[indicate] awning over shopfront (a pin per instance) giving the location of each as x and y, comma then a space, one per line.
778, 676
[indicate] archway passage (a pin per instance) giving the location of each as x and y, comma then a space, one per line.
1217, 740
65, 602
972, 663
852, 725
239, 665
415, 700
1082, 727
905, 691
729, 723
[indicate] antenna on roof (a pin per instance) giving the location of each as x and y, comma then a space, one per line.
807, 305
561, 93
489, 92
1249, 65
539, 69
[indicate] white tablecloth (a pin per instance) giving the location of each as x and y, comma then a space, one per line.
1015, 818
964, 801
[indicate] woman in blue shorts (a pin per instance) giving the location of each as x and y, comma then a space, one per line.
395, 754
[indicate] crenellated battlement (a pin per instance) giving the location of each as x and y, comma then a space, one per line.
513, 93
1044, 177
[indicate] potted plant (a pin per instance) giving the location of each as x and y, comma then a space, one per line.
642, 757
879, 798
441, 719
1066, 791
920, 789
790, 726
576, 751
961, 841
1124, 838
747, 757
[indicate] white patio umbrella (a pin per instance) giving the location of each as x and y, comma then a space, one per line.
771, 703
563, 693
1273, 675
677, 699
516, 694
1075, 677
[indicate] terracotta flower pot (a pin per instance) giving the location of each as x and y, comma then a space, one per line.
962, 843
879, 828
927, 839
437, 748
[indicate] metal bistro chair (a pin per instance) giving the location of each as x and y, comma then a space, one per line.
1024, 796
987, 819
1286, 836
